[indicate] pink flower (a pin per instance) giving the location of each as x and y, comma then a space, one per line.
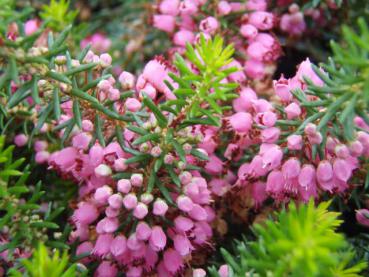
81, 141
209, 25
362, 216
165, 23
292, 110
342, 170
241, 122
133, 243
270, 135
291, 168
248, 31
214, 165
31, 26
275, 184
105, 60
118, 245
132, 104
198, 213
283, 89
134, 271
262, 20
106, 269
272, 158
100, 43
182, 245
183, 224
140, 211
115, 201
244, 102
130, 201
199, 272
126, 80
169, 7
172, 260
86, 213
158, 239
107, 225
182, 37
120, 164
294, 23
20, 140
324, 175
42, 157
102, 245
103, 170
254, 69
160, 207
305, 70
188, 7
85, 247
256, 5
223, 270
294, 142
224, 8
102, 194
143, 231
124, 186
184, 203
136, 180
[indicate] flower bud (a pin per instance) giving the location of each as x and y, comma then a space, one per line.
103, 170
20, 140
115, 201
137, 180
120, 164
105, 60
147, 198
168, 159
362, 216
102, 194
140, 211
124, 186
126, 80
156, 151
130, 201
294, 142
184, 203
160, 207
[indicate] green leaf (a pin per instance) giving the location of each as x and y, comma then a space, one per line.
199, 155
77, 113
165, 193
44, 224
59, 77
146, 138
162, 120
56, 101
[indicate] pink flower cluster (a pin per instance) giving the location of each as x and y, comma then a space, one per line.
285, 166
120, 221
259, 49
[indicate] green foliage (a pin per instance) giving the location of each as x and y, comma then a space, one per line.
346, 86
22, 221
57, 14
301, 242
42, 264
199, 93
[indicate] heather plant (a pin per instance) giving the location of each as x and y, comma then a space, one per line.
25, 221
301, 241
41, 264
